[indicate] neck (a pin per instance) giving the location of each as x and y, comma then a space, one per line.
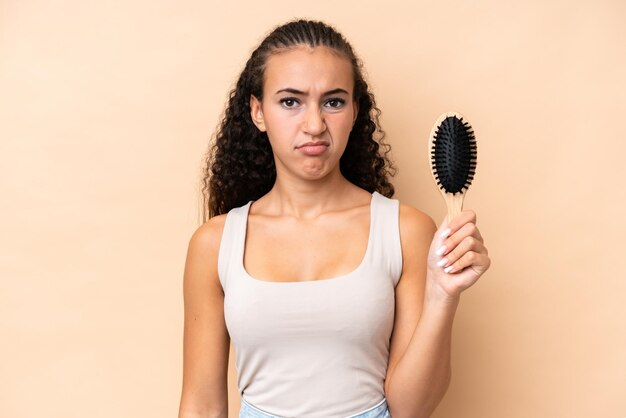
307, 199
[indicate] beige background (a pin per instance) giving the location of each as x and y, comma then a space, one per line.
106, 109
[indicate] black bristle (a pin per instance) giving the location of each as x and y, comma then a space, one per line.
454, 154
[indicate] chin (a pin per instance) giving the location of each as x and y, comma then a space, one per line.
318, 173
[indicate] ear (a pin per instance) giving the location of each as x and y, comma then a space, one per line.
256, 113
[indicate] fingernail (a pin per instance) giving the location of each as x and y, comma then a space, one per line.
445, 233
448, 269
442, 262
441, 250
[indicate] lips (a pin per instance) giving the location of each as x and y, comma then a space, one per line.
313, 143
313, 148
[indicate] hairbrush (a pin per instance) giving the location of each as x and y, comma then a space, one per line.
452, 154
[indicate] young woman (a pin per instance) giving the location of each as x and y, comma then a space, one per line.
334, 294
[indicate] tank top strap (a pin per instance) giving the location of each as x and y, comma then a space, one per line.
232, 243
387, 249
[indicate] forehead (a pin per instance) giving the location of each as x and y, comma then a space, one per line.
306, 68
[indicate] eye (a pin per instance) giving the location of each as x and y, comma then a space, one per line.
335, 103
289, 102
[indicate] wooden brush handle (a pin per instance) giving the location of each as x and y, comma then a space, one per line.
454, 202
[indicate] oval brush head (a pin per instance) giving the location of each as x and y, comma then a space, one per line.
452, 154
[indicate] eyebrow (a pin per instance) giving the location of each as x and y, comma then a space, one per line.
296, 91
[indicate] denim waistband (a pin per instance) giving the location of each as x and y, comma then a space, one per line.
379, 410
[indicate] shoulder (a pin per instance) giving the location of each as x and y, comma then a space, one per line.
208, 235
416, 230
207, 232
415, 222
201, 271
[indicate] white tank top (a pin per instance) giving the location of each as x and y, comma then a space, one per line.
319, 348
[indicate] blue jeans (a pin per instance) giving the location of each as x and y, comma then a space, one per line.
249, 411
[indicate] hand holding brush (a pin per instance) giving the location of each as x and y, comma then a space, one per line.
457, 255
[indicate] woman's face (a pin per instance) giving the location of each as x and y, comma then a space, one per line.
307, 110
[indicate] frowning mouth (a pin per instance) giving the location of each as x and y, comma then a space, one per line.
313, 148
313, 144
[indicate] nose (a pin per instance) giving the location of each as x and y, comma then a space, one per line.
314, 123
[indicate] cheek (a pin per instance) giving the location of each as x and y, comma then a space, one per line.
280, 125
343, 123
282, 134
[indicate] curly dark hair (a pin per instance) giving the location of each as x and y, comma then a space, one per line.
240, 163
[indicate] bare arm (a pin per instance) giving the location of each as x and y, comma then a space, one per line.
419, 369
206, 341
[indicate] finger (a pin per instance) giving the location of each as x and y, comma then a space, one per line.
477, 261
444, 228
448, 244
461, 219
469, 244
468, 230
450, 233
